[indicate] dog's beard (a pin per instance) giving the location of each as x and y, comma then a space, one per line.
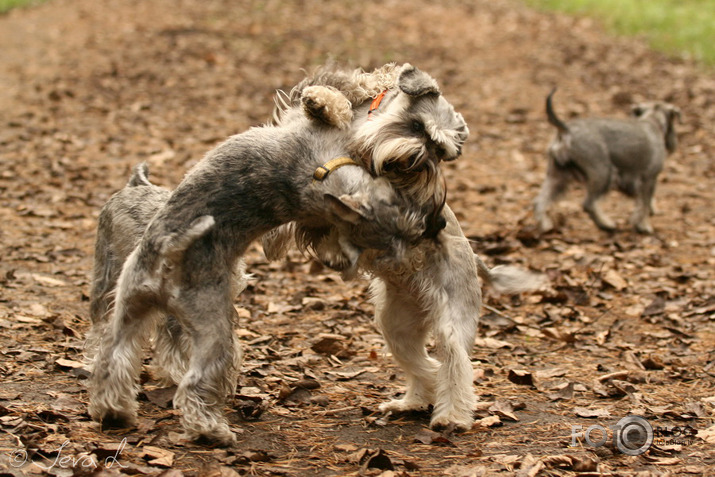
406, 163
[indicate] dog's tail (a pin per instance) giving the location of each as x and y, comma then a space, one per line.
174, 245
509, 279
140, 176
553, 119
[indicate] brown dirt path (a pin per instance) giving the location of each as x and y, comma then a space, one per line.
88, 88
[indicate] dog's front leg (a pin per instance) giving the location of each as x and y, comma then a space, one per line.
598, 182
455, 398
405, 328
644, 205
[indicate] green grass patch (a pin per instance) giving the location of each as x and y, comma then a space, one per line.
7, 5
677, 27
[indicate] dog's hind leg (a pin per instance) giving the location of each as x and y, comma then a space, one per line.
172, 349
552, 188
405, 328
101, 297
207, 316
107, 267
172, 346
113, 385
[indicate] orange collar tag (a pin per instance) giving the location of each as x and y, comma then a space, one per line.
375, 104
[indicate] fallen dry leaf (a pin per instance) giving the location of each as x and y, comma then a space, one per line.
614, 279
564, 392
504, 410
86, 95
492, 343
158, 456
521, 377
373, 459
428, 436
708, 435
69, 363
490, 421
591, 413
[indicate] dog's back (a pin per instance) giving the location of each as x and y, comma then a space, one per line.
626, 143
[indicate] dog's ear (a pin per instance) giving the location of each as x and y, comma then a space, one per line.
344, 208
674, 112
415, 82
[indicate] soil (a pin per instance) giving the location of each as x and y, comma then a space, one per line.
89, 88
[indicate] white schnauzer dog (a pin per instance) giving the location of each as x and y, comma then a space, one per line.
402, 128
625, 153
186, 263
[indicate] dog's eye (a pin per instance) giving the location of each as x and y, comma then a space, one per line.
417, 127
441, 152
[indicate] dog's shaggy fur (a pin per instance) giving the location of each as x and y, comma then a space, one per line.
401, 125
606, 152
186, 263
435, 289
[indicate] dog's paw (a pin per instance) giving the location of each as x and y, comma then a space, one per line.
644, 227
114, 419
328, 105
607, 226
404, 405
219, 435
545, 224
602, 221
452, 421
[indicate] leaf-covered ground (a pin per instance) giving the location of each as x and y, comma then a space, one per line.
88, 88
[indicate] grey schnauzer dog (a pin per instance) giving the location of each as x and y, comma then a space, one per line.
187, 261
625, 153
402, 129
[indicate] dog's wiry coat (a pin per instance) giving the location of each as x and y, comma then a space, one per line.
434, 290
185, 262
606, 152
410, 131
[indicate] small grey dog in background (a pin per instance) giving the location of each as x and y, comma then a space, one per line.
186, 263
606, 152
402, 129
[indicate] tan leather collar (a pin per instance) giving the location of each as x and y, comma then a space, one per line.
322, 172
